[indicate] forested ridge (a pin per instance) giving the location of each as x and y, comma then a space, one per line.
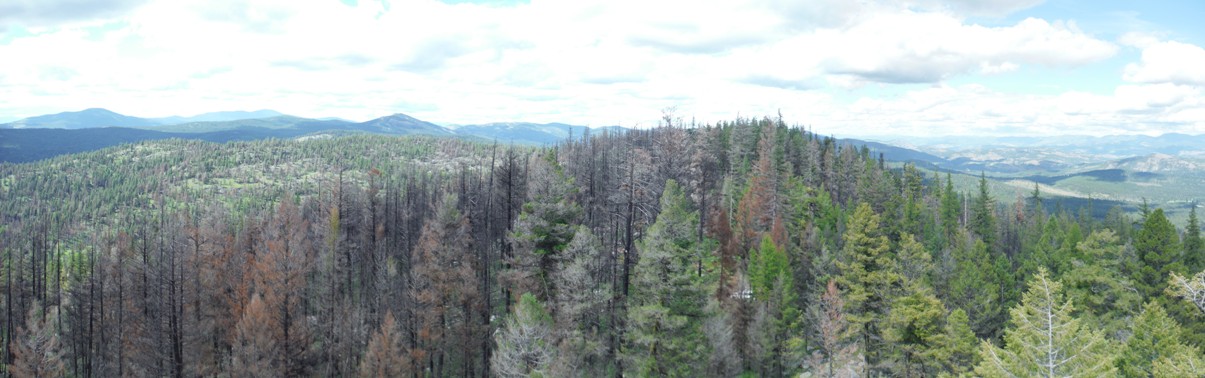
747, 247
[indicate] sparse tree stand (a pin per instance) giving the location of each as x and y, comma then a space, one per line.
199, 259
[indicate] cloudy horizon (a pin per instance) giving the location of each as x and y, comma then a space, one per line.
923, 67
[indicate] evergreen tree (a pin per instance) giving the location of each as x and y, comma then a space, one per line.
983, 214
956, 345
951, 207
1046, 341
974, 286
1179, 365
666, 309
914, 327
777, 318
870, 278
767, 265
1194, 249
545, 226
916, 264
1156, 337
1103, 295
1158, 250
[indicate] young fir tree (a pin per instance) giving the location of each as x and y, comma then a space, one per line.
951, 209
1158, 249
666, 310
956, 345
983, 214
1046, 341
916, 264
914, 324
1102, 294
974, 287
914, 327
777, 318
545, 226
1156, 339
869, 276
1194, 249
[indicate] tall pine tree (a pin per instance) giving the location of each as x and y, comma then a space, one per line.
870, 278
1158, 249
666, 309
1194, 249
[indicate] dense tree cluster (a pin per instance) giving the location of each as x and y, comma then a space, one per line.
741, 248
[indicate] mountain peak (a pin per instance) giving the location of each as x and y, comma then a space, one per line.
94, 111
402, 116
87, 118
402, 124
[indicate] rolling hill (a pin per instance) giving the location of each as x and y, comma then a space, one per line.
87, 118
48, 136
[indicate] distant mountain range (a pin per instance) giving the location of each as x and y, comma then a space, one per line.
220, 116
50, 135
87, 118
1168, 169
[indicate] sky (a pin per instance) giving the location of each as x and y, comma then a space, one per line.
840, 67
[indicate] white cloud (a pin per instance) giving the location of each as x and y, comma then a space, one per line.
596, 62
910, 47
989, 8
1166, 62
977, 110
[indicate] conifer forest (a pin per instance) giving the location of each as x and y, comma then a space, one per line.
747, 248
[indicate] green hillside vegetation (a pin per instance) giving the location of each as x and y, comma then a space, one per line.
743, 248
279, 122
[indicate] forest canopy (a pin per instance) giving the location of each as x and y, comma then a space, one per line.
747, 247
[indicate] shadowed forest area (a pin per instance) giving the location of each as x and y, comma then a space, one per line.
744, 248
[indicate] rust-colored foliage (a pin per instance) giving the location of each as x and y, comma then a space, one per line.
386, 355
